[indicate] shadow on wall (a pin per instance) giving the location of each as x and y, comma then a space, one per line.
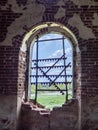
60, 118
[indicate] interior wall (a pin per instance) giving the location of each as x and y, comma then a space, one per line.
60, 118
8, 115
17, 19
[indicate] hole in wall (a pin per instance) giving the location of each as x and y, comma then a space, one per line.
51, 71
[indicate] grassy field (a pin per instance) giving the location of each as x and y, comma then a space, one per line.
50, 99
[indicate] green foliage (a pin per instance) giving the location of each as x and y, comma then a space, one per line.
50, 99
33, 89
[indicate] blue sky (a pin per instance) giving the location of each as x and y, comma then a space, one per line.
52, 49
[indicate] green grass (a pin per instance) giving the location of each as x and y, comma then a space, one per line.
61, 86
50, 99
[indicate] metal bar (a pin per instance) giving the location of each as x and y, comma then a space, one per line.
48, 59
51, 80
58, 75
49, 83
36, 70
55, 63
45, 67
51, 75
49, 90
49, 40
65, 70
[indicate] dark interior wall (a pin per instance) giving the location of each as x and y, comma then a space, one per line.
60, 118
16, 19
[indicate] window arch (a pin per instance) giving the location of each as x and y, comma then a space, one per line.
51, 70
40, 30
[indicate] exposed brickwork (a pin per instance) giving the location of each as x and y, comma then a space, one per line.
21, 73
82, 20
8, 70
87, 70
89, 60
11, 67
3, 2
47, 1
21, 2
87, 16
6, 18
49, 13
41, 119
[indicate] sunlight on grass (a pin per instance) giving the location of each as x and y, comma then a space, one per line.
51, 99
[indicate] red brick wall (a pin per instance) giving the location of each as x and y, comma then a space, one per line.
89, 60
22, 75
12, 68
8, 70
10, 55
12, 59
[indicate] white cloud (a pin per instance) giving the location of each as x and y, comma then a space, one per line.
57, 53
68, 51
50, 36
49, 64
45, 37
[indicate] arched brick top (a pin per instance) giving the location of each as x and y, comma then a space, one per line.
45, 28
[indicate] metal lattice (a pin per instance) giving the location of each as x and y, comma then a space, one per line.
42, 71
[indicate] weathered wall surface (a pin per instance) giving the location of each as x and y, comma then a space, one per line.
8, 115
65, 118
33, 120
17, 17
60, 118
89, 113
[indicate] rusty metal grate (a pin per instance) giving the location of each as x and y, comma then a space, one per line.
42, 71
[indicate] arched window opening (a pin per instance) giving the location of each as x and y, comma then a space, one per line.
51, 70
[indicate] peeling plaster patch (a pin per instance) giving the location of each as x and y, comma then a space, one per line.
60, 13
60, 2
14, 6
93, 114
6, 122
32, 15
84, 2
21, 2
95, 20
3, 2
84, 32
8, 112
47, 1
77, 49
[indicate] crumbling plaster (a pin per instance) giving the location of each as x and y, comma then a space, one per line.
95, 20
60, 118
84, 2
88, 106
32, 13
79, 2
84, 32
60, 13
89, 113
8, 115
44, 28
